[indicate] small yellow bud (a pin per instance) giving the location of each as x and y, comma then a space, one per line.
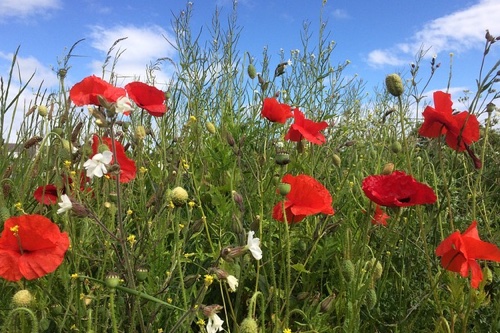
210, 127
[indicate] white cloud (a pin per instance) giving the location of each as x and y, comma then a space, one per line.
24, 68
340, 14
25, 8
457, 32
142, 46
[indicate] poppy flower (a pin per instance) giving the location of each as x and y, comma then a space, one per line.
46, 194
397, 190
380, 217
460, 129
306, 197
307, 129
128, 169
86, 91
275, 111
147, 97
31, 246
459, 253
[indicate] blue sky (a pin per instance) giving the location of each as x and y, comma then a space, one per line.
377, 37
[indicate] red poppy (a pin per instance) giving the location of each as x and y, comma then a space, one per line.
86, 91
128, 169
397, 190
147, 97
275, 111
380, 217
460, 129
31, 246
46, 194
306, 197
307, 129
459, 253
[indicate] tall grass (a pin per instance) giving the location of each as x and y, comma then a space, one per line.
328, 273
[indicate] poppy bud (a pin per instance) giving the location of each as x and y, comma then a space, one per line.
238, 199
58, 130
22, 298
140, 132
282, 158
396, 147
336, 160
42, 110
284, 189
394, 85
370, 298
388, 169
112, 280
252, 73
210, 127
179, 196
249, 325
56, 309
347, 270
230, 139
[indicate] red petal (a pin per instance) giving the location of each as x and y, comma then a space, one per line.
147, 97
46, 194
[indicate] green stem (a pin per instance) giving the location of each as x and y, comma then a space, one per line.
112, 309
22, 311
403, 134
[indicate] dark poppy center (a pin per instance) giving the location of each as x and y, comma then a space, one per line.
405, 200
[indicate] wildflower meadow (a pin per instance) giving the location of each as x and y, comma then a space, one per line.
250, 194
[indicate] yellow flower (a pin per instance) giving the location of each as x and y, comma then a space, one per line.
191, 204
143, 170
200, 322
74, 276
131, 239
287, 330
129, 212
209, 279
67, 164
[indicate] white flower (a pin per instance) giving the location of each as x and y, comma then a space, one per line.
96, 166
232, 281
214, 323
123, 105
253, 245
65, 204
289, 62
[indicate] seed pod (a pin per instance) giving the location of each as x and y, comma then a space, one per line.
388, 169
210, 127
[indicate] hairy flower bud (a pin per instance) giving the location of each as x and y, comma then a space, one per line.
396, 147
347, 270
252, 73
388, 169
371, 298
210, 127
22, 298
249, 325
42, 110
394, 85
336, 160
179, 196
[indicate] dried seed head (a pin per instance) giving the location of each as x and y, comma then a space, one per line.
33, 141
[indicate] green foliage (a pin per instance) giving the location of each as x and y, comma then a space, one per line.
325, 274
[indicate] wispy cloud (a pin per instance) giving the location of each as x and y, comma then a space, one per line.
340, 14
26, 8
25, 67
457, 32
142, 46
